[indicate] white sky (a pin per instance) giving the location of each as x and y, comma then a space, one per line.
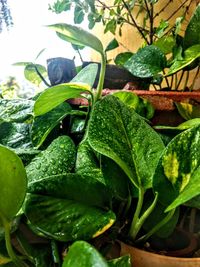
29, 36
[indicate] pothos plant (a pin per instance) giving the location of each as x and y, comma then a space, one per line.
168, 48
118, 177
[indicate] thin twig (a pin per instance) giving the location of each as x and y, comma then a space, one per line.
134, 22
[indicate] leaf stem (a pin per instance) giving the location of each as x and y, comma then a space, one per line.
138, 222
133, 230
15, 259
101, 78
157, 227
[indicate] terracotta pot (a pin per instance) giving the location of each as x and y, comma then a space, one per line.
141, 258
164, 103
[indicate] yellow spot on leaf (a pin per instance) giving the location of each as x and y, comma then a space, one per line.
106, 227
171, 166
185, 180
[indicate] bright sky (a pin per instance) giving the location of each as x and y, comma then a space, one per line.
29, 36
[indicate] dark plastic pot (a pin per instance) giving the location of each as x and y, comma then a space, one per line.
60, 70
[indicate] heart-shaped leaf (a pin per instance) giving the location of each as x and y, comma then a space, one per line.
82, 254
119, 133
192, 33
15, 110
178, 169
58, 158
68, 220
13, 183
82, 188
55, 95
147, 62
189, 56
77, 36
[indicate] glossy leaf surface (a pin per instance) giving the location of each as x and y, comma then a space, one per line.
15, 135
178, 169
188, 111
119, 133
85, 189
15, 110
147, 62
55, 95
124, 261
190, 55
43, 125
67, 219
13, 183
82, 254
192, 33
58, 158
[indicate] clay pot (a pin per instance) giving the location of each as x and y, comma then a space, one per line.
142, 258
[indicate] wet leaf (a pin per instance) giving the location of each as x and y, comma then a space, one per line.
122, 58
15, 110
192, 33
58, 158
147, 62
43, 125
119, 133
82, 254
68, 220
55, 95
178, 169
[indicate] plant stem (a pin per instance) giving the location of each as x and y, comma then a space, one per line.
134, 225
101, 78
157, 227
134, 22
180, 79
144, 216
40, 75
9, 248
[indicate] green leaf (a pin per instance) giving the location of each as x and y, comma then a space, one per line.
121, 58
177, 167
15, 135
158, 215
192, 33
87, 75
190, 55
111, 26
78, 14
160, 30
77, 36
166, 44
147, 62
69, 186
103, 170
112, 45
82, 254
124, 261
13, 183
188, 111
191, 190
119, 133
181, 127
15, 110
51, 161
142, 106
68, 220
43, 125
55, 95
30, 73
